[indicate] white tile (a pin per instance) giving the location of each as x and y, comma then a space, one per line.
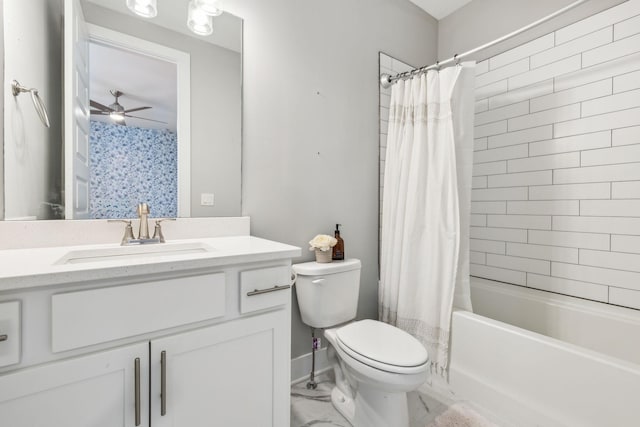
482, 105
606, 259
625, 190
569, 239
479, 182
535, 222
565, 50
617, 102
521, 136
548, 71
521, 264
574, 288
604, 276
614, 120
491, 90
501, 234
611, 51
570, 191
504, 153
477, 220
626, 136
496, 194
482, 67
598, 72
550, 253
627, 28
555, 115
626, 244
610, 208
624, 297
522, 51
524, 178
555, 207
490, 129
607, 17
622, 83
477, 257
488, 207
489, 168
573, 95
502, 113
625, 172
480, 144
502, 73
571, 143
595, 224
499, 274
552, 161
521, 94
489, 246
607, 156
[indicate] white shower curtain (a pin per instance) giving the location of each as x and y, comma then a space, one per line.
426, 206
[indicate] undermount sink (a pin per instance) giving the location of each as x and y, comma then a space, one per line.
133, 252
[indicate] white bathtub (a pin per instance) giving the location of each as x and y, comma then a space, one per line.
538, 359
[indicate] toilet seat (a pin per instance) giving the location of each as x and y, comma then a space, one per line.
382, 346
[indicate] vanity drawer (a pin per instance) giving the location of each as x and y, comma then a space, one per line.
9, 333
264, 288
98, 315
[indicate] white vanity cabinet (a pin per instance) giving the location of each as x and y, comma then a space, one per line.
195, 347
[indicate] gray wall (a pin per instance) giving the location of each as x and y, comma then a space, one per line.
215, 110
310, 145
482, 21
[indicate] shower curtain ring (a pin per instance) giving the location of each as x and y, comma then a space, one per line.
455, 59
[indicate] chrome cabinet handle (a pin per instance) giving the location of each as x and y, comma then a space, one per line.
163, 383
4, 337
137, 389
266, 291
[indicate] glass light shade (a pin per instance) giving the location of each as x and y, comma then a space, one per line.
116, 116
198, 21
210, 7
144, 8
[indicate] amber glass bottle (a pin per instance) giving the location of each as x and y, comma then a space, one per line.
338, 249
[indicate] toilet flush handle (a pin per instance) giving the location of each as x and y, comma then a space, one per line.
318, 281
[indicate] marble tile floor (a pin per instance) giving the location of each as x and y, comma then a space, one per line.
313, 408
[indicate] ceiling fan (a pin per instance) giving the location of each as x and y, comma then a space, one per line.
116, 111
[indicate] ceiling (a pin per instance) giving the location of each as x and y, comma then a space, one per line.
440, 8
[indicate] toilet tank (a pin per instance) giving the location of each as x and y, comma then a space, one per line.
327, 292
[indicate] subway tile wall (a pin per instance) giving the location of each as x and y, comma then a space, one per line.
556, 199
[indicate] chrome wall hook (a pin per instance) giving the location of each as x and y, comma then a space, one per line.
38, 103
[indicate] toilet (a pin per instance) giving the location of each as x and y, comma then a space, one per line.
375, 364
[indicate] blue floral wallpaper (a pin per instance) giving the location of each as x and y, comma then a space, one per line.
130, 165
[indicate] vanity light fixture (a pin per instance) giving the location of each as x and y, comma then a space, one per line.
198, 20
210, 7
144, 8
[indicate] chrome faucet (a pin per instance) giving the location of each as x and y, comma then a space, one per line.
143, 213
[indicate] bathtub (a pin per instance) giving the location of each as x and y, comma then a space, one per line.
534, 358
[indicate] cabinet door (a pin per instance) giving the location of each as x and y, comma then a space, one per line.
98, 390
233, 374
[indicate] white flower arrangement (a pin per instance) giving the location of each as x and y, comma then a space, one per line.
323, 242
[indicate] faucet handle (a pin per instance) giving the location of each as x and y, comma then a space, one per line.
157, 232
128, 230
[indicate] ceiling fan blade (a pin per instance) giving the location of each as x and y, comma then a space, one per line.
99, 106
101, 113
142, 118
136, 109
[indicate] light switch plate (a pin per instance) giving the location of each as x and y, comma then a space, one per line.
206, 199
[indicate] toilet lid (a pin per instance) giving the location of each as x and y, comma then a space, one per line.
372, 340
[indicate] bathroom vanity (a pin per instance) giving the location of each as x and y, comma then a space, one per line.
191, 333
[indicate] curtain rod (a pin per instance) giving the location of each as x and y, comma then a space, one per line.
387, 80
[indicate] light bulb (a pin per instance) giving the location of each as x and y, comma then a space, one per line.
198, 21
210, 7
144, 8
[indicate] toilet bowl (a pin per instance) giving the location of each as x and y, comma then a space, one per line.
375, 364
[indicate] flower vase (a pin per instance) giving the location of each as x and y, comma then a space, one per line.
323, 256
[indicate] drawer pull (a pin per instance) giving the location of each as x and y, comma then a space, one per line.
266, 291
137, 389
163, 383
4, 337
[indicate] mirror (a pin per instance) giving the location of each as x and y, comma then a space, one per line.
210, 114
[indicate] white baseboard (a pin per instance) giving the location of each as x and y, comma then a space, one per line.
301, 365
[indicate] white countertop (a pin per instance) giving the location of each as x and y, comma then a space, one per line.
28, 268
